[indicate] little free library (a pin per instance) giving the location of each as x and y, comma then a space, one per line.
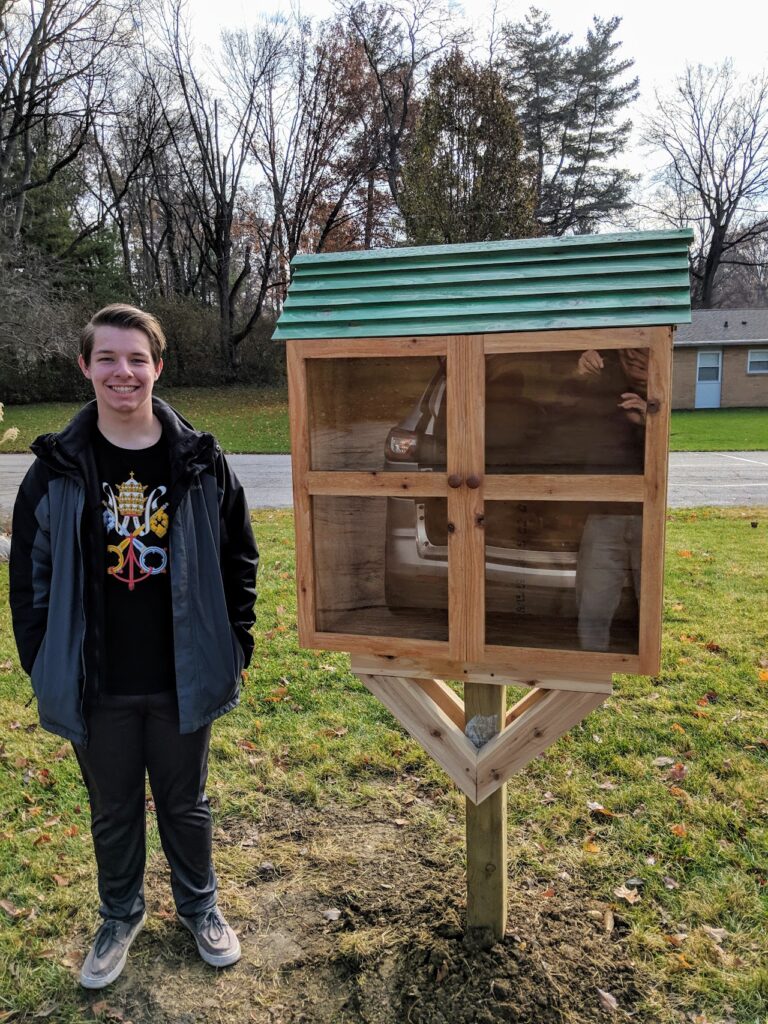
479, 446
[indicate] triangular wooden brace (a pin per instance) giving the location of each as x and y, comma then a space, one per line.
432, 713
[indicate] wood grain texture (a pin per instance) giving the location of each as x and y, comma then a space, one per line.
411, 667
360, 348
379, 484
487, 829
579, 339
298, 415
556, 487
655, 507
426, 721
530, 735
465, 396
445, 698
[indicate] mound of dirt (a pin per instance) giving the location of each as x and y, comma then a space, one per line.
345, 920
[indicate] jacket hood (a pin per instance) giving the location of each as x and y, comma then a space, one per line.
191, 450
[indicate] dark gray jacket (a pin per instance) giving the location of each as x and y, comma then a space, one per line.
57, 578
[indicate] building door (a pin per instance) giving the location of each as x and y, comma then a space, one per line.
708, 374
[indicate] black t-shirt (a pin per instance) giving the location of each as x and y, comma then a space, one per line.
138, 616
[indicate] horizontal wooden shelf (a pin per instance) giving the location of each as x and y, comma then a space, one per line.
572, 340
562, 487
501, 487
376, 348
379, 484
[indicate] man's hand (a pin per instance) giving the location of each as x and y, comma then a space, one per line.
590, 364
634, 406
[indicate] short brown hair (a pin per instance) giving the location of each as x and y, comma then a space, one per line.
120, 314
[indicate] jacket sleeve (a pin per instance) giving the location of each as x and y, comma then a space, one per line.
30, 565
239, 557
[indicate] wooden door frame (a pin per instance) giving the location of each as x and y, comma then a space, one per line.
466, 653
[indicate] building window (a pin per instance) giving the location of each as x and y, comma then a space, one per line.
757, 360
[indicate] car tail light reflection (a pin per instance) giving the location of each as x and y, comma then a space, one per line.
401, 445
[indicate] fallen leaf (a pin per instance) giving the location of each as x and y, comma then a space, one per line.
548, 893
247, 745
46, 1010
332, 914
14, 725
662, 762
549, 798
44, 837
630, 895
713, 647
701, 714
677, 772
72, 830
50, 822
62, 752
328, 668
676, 940
670, 883
400, 822
590, 846
12, 910
685, 554
71, 959
678, 830
609, 922
716, 934
763, 676
650, 860
60, 880
676, 727
607, 1001
676, 791
684, 962
607, 786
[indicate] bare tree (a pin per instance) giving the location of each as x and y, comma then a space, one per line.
212, 140
400, 39
55, 60
713, 129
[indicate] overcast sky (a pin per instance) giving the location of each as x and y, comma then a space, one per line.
660, 35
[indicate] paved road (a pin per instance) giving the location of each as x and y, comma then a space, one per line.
695, 478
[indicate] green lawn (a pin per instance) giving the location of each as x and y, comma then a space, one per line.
246, 419
719, 430
321, 800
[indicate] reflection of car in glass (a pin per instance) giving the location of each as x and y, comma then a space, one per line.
535, 423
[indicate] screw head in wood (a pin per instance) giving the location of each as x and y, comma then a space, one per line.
454, 480
474, 481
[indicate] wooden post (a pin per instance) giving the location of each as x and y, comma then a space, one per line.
487, 831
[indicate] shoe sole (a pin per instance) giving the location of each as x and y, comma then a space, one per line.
214, 959
88, 981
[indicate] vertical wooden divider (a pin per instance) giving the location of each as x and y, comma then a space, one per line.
654, 507
302, 503
465, 399
487, 822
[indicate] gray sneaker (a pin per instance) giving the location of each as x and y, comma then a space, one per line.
106, 957
217, 944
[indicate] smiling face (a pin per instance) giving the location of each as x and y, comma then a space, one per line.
121, 370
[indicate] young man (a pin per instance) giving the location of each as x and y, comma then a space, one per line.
133, 570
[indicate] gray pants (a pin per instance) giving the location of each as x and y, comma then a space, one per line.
130, 737
609, 552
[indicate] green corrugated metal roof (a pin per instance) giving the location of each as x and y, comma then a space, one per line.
634, 278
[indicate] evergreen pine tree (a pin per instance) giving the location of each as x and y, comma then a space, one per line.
570, 102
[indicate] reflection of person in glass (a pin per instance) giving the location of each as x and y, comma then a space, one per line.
610, 546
